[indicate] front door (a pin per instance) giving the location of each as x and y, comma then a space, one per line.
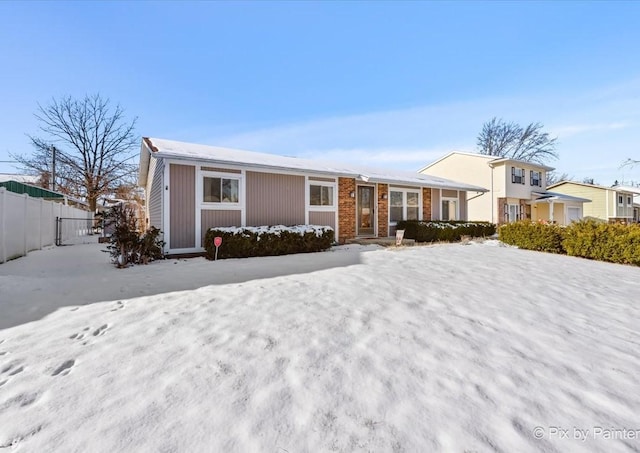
366, 211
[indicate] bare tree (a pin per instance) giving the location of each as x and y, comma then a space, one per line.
94, 147
554, 177
529, 144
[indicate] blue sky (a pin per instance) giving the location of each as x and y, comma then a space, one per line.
386, 84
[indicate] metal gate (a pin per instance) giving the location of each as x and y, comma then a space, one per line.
72, 230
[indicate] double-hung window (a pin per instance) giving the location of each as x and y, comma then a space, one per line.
517, 175
629, 201
220, 189
450, 209
620, 200
536, 178
404, 204
321, 195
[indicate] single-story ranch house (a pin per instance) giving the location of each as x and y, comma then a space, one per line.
191, 188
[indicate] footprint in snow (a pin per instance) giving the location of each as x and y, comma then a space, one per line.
77, 336
65, 368
119, 306
100, 330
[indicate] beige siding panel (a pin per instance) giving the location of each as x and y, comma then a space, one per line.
316, 178
446, 193
182, 199
274, 199
323, 219
154, 202
462, 205
210, 219
435, 204
221, 170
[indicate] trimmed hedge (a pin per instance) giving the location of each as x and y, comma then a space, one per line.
450, 231
245, 242
591, 239
615, 243
533, 236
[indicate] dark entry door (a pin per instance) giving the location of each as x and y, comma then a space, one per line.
366, 211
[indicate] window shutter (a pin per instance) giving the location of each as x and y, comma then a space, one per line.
531, 176
513, 174
524, 172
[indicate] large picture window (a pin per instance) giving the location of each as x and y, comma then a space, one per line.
220, 190
321, 195
404, 205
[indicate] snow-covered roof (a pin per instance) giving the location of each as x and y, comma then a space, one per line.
632, 189
545, 195
26, 179
490, 160
227, 156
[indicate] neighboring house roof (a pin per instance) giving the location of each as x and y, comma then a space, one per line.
546, 196
632, 189
490, 160
595, 186
27, 179
190, 151
32, 191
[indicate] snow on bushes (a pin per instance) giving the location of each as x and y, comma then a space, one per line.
242, 242
450, 231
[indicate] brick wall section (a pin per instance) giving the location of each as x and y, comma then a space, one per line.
501, 212
426, 203
346, 209
383, 210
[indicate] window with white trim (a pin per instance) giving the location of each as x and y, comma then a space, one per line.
517, 175
450, 209
321, 194
620, 200
513, 213
404, 204
536, 178
219, 189
629, 201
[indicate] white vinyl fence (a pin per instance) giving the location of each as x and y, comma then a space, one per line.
28, 223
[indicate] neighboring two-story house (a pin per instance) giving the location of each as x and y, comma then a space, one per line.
516, 189
613, 204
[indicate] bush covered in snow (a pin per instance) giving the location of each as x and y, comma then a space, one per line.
615, 243
242, 242
450, 231
533, 236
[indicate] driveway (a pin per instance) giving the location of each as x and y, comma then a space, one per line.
33, 286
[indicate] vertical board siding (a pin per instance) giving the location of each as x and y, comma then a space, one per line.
435, 204
182, 199
210, 219
323, 218
274, 199
462, 205
155, 194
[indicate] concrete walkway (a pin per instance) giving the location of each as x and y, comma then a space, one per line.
38, 284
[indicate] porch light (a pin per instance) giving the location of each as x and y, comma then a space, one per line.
383, 196
352, 194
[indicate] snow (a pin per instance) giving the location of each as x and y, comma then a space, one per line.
276, 229
438, 348
192, 151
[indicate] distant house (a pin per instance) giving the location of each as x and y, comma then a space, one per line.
613, 204
516, 189
190, 188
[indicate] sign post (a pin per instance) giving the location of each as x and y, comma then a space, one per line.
399, 237
217, 241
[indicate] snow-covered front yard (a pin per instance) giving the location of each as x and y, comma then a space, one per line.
441, 348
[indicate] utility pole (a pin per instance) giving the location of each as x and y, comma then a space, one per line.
53, 169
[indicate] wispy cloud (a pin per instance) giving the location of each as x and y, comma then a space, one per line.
597, 131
